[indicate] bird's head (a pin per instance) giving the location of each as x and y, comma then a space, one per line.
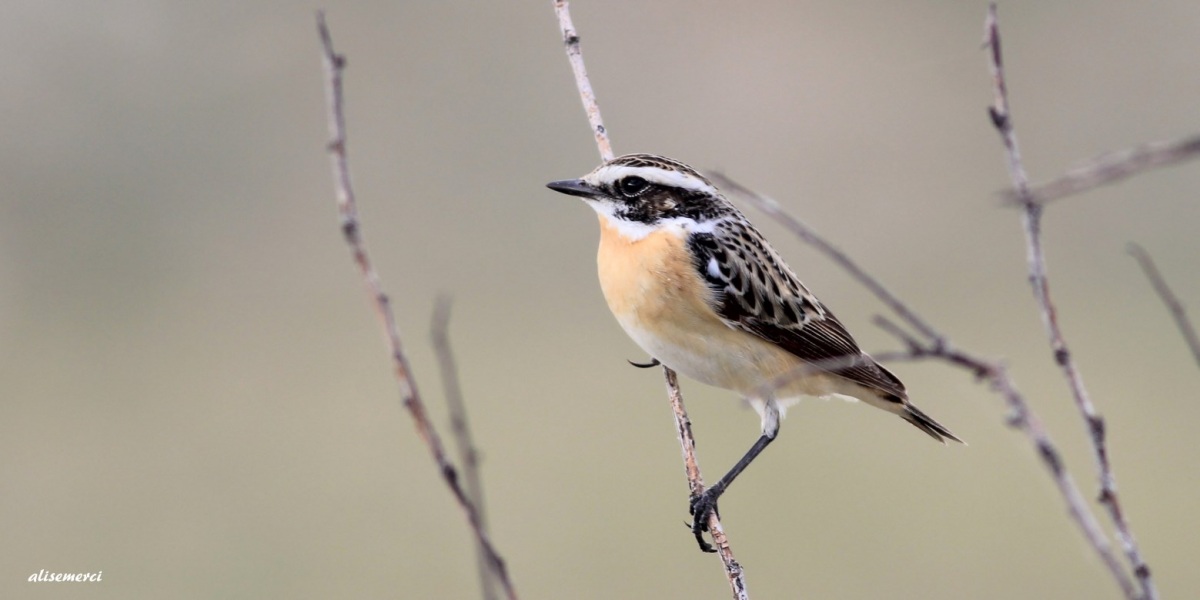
643, 191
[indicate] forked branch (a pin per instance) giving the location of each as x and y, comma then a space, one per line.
929, 343
1110, 168
335, 65
1032, 219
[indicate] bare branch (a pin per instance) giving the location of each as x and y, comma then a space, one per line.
683, 425
773, 209
575, 55
898, 332
1178, 311
1020, 417
687, 443
335, 64
1002, 120
1111, 167
468, 454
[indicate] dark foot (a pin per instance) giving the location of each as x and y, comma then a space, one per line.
653, 363
701, 507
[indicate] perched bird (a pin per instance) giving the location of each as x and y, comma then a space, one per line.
699, 289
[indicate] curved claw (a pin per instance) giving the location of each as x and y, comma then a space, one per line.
700, 507
653, 363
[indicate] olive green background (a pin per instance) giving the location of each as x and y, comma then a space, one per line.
195, 399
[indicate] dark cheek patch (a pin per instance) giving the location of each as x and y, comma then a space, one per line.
659, 202
648, 207
637, 212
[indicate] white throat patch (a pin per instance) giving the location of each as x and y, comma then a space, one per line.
636, 230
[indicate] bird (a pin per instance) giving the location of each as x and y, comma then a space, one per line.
699, 289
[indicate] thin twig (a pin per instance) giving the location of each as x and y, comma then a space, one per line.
575, 55
1020, 417
773, 209
1178, 310
687, 443
1111, 167
468, 454
1032, 219
733, 570
335, 64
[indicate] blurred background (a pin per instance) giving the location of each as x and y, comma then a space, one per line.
195, 398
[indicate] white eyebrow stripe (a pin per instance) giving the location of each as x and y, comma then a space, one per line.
678, 179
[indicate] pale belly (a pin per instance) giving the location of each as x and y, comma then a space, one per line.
723, 357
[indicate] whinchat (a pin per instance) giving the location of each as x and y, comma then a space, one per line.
699, 289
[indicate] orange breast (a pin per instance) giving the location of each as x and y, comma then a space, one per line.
651, 280
661, 301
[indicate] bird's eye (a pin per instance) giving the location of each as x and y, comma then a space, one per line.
633, 186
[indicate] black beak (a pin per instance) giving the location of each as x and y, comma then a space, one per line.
573, 187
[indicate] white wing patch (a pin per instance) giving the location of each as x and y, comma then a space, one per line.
714, 270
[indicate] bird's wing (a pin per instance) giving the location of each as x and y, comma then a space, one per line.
756, 292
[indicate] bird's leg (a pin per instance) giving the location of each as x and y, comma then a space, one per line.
706, 502
646, 365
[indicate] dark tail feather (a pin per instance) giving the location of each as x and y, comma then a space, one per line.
923, 422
